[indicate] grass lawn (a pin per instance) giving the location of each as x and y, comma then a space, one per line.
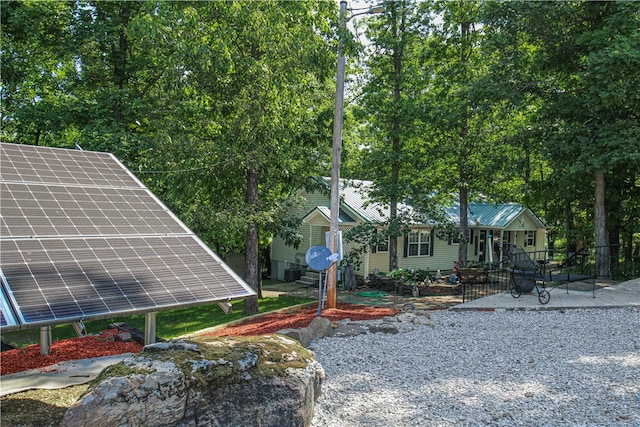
169, 324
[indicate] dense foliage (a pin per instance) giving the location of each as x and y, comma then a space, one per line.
224, 108
529, 102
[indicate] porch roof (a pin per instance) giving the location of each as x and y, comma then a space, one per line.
498, 216
488, 214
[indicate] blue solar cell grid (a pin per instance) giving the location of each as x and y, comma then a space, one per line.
82, 237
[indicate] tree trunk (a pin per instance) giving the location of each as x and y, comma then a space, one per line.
464, 151
120, 60
393, 238
464, 227
601, 236
252, 253
396, 144
551, 244
393, 202
572, 246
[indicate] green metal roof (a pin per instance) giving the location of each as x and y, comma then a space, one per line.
490, 215
354, 194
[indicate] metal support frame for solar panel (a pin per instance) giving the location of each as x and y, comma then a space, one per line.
82, 238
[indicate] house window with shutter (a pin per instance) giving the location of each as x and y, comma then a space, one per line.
419, 243
383, 246
530, 238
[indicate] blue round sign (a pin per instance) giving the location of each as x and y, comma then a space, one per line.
316, 258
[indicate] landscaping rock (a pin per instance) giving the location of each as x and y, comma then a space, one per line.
267, 380
423, 320
320, 327
405, 317
302, 335
399, 287
423, 313
124, 337
136, 334
6, 346
384, 328
349, 330
401, 323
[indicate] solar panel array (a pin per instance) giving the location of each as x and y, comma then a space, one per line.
81, 237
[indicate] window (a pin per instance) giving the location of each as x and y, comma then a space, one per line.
378, 244
530, 238
419, 243
453, 237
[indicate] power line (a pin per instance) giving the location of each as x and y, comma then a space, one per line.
183, 170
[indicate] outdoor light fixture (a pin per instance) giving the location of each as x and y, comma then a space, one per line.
336, 152
375, 9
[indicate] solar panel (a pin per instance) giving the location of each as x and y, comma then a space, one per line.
46, 210
82, 238
7, 317
29, 163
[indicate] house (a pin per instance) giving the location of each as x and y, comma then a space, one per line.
423, 248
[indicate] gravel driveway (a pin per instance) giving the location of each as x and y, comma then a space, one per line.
515, 368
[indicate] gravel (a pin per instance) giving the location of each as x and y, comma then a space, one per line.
510, 368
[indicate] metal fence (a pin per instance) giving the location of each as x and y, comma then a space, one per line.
497, 279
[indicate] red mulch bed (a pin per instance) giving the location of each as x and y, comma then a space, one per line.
104, 344
273, 322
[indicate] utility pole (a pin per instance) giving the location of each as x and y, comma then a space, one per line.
332, 272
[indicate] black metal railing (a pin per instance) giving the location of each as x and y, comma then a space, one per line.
494, 281
580, 265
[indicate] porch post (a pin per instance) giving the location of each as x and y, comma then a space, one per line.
501, 246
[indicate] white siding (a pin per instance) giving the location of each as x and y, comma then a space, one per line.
519, 229
444, 255
283, 256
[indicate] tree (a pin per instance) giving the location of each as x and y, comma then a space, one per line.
463, 154
589, 112
262, 94
219, 107
37, 68
389, 104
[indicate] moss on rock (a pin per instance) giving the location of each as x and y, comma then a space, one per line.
215, 361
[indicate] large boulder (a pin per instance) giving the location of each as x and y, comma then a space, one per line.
241, 381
